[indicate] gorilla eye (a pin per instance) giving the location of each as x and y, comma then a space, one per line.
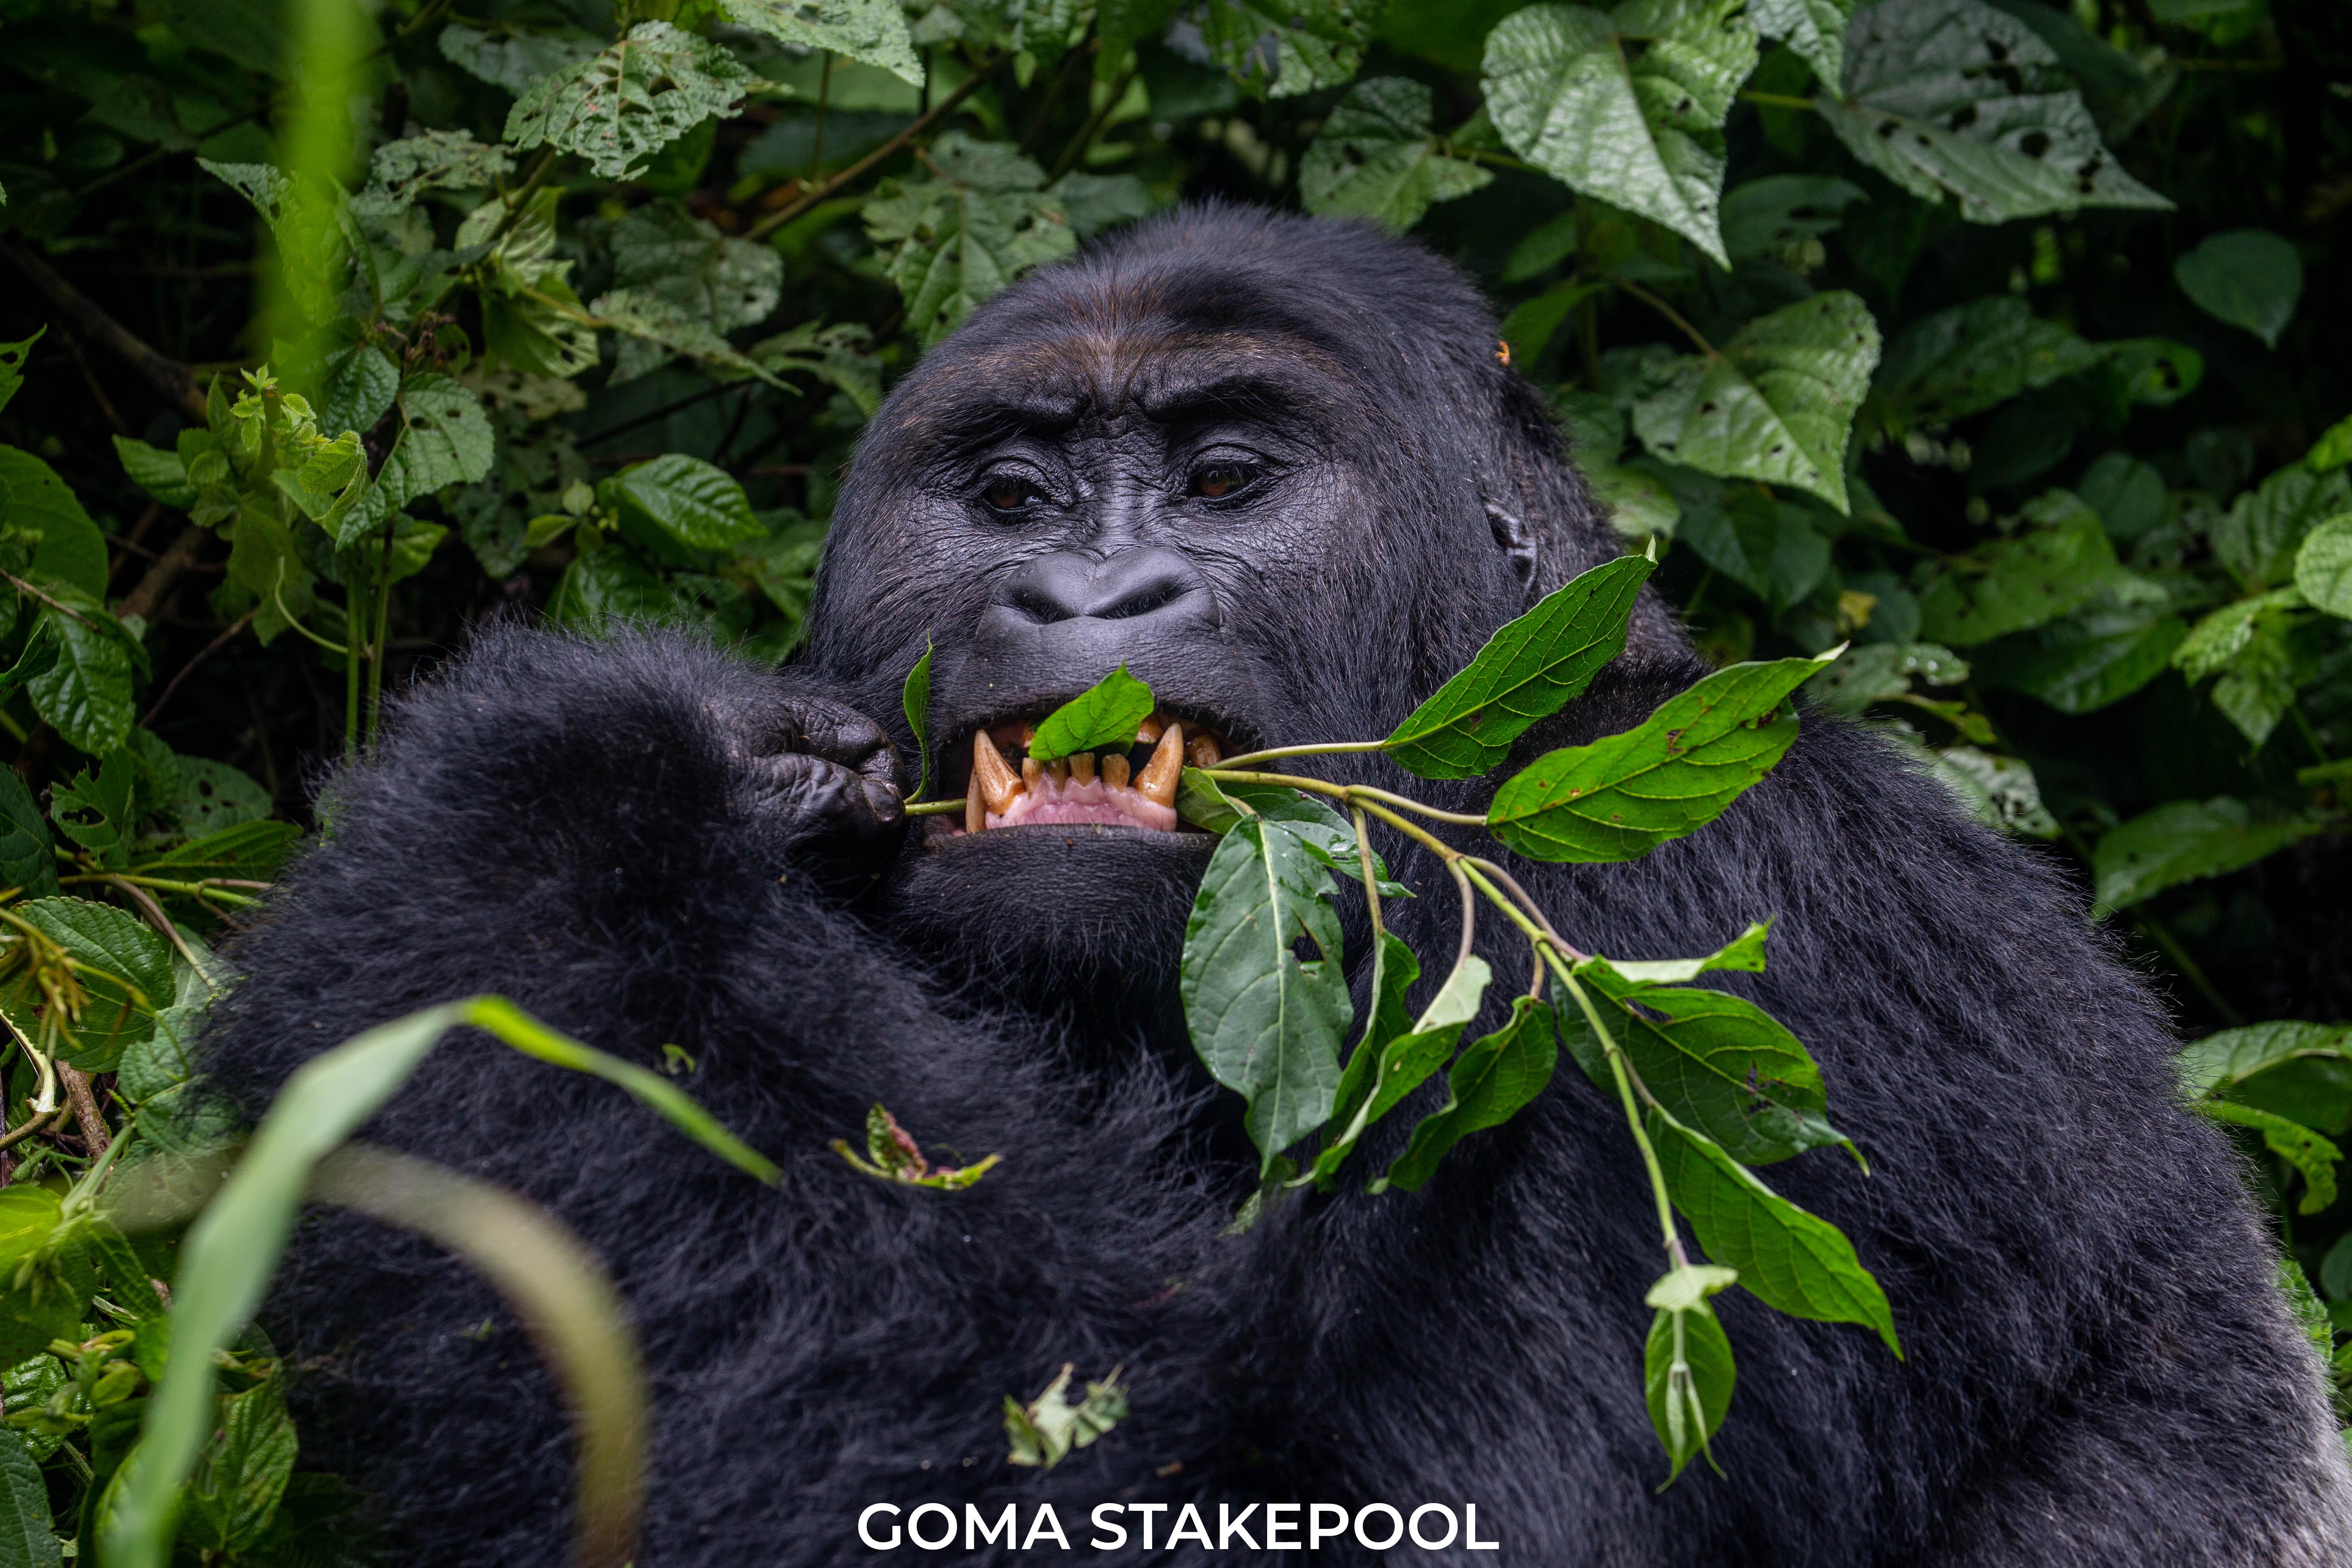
1218, 481
1008, 492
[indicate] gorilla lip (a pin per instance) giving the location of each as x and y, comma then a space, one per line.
1134, 788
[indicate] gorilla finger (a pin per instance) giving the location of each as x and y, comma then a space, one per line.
839, 734
813, 796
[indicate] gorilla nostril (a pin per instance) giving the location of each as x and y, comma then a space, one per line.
1127, 585
1144, 599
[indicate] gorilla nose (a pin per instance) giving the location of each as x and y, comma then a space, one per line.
1126, 585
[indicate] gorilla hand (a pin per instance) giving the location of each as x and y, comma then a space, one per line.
816, 769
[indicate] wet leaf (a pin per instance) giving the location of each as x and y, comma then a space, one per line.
1375, 157
626, 103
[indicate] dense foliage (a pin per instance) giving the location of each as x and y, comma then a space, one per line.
1989, 339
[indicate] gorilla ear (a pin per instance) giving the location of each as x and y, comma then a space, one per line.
1518, 541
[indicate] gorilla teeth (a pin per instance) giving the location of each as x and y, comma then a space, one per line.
1203, 751
1157, 782
996, 784
1082, 767
1115, 769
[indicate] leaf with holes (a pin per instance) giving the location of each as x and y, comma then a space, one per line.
516, 57
958, 238
713, 279
1315, 43
631, 101
1528, 670
663, 323
1626, 105
1776, 402
2314, 1156
429, 160
2013, 584
1953, 95
444, 440
1375, 157
1815, 29
872, 31
1959, 362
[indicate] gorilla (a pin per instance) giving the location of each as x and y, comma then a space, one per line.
1275, 467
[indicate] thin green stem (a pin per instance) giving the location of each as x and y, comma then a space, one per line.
1669, 312
521, 196
1094, 125
1780, 100
2310, 735
1329, 748
1620, 1071
1372, 882
936, 808
381, 629
1469, 912
1364, 792
210, 887
824, 91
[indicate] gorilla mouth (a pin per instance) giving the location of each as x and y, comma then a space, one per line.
1134, 788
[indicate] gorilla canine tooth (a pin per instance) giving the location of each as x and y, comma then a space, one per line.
1157, 782
995, 786
1115, 770
1082, 767
1203, 750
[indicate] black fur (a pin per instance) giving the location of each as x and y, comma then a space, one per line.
2099, 1369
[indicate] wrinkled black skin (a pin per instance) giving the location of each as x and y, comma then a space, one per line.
2098, 1368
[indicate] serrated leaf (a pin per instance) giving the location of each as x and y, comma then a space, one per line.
1953, 95
1687, 1376
1530, 669
444, 440
2013, 584
214, 795
350, 382
1315, 43
1776, 402
1681, 768
1497, 1075
1815, 29
516, 57
160, 473
1105, 714
402, 171
700, 506
958, 238
1792, 1260
84, 687
2258, 539
2315, 1157
631, 101
127, 972
2323, 566
1043, 1433
27, 858
659, 321
1266, 1024
71, 549
2249, 278
716, 282
874, 31
1641, 128
841, 356
915, 701
1375, 157
27, 1538
2186, 841
1959, 361
236, 1486
2218, 639
249, 851
309, 216
2228, 1057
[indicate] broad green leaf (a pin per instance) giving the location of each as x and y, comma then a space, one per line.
1105, 714
841, 356
444, 440
1394, 969
2015, 584
1211, 802
93, 808
689, 500
2216, 641
874, 31
712, 279
1769, 546
32, 498
914, 701
1626, 977
609, 585
1792, 1260
1315, 43
2310, 1153
1953, 95
1814, 28
127, 973
2184, 841
2224, 1060
402, 171
27, 861
1961, 360
516, 57
2323, 566
1882, 672
2086, 661
1686, 1371
2333, 450
1626, 105
628, 102
2258, 688
1094, 203
236, 1484
1496, 1076
351, 382
213, 796
13, 357
160, 473
661, 322
1375, 157
2258, 541
1779, 214
248, 851
2000, 791
2249, 278
27, 1539
2156, 372
1528, 670
1266, 1026
955, 239
85, 687
1639, 507
1681, 768
1776, 402
232, 1251
309, 217
46, 1277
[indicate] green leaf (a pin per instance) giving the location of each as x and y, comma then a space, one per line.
350, 382
2314, 1156
1626, 105
1777, 214
1686, 1367
2333, 450
213, 796
874, 31
689, 500
516, 57
309, 217
1882, 672
236, 1485
160, 473
2257, 541
2086, 661
34, 499
1375, 157
1681, 768
2184, 841
2228, 1057
1394, 970
1316, 44
93, 808
2248, 278
249, 851
1404, 1063
402, 171
127, 973
232, 1251
841, 356
1106, 714
668, 325
2219, 639
1625, 977
628, 102
1815, 29
13, 357
1776, 402
27, 861
1528, 670
1043, 1433
955, 240
1791, 1260
609, 585
2015, 584
1214, 803
1769, 546
1967, 358
712, 279
27, 1539
915, 701
1266, 1024
444, 440
2323, 566
85, 687
1494, 1078
1953, 95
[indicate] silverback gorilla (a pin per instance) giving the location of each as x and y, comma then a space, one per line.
1274, 466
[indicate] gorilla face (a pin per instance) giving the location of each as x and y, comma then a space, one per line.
1198, 463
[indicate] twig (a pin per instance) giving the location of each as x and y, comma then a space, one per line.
807, 199
156, 582
211, 648
168, 376
1094, 125
85, 1109
1668, 312
66, 610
